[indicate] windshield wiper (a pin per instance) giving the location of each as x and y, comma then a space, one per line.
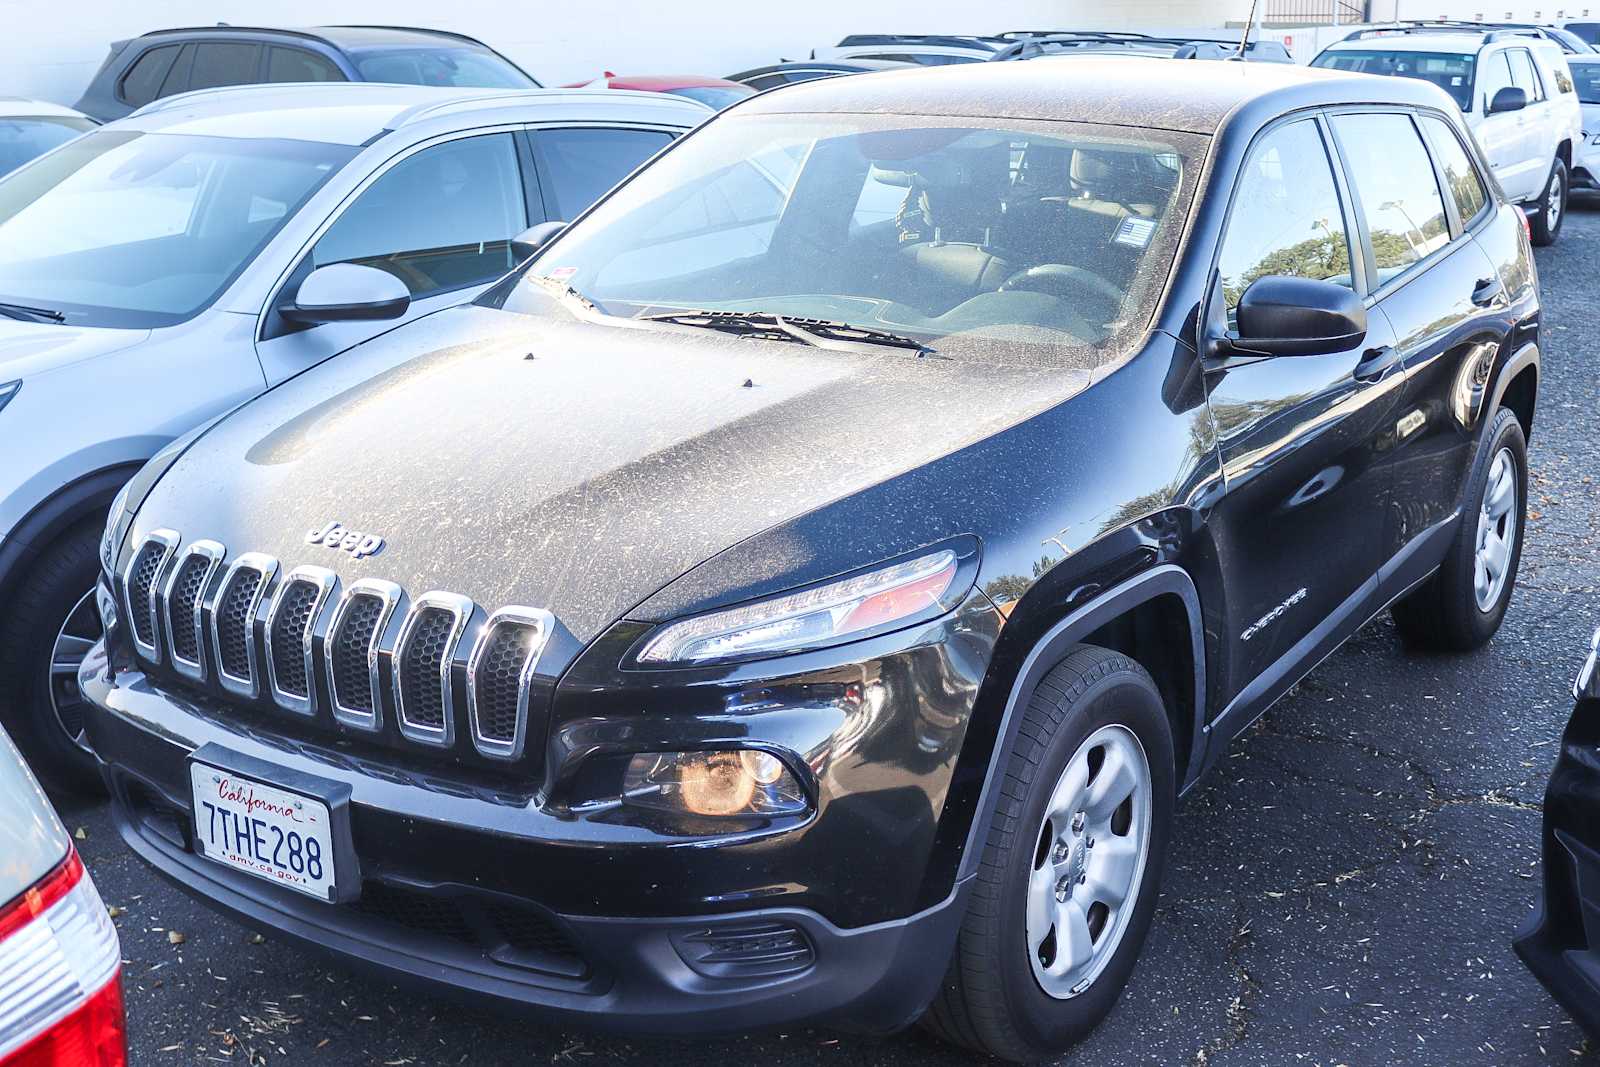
31, 314
563, 290
784, 327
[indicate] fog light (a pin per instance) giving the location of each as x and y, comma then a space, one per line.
718, 784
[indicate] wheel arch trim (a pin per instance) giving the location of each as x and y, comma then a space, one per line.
1167, 579
1525, 357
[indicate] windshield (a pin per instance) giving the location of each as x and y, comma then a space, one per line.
462, 68
1032, 240
1587, 77
716, 97
1588, 32
22, 139
127, 229
1451, 72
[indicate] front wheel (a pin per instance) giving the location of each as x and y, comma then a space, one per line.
1550, 210
1071, 867
51, 622
1463, 604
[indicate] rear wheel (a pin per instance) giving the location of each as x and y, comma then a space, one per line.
1550, 210
51, 622
1071, 867
1463, 604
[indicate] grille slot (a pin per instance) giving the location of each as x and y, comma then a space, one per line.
424, 701
498, 677
184, 597
299, 601
351, 648
233, 621
141, 589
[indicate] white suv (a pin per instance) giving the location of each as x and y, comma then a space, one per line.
162, 270
1515, 89
1586, 164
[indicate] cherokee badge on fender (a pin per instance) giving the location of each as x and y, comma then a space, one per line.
810, 584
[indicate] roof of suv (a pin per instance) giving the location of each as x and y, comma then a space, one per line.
1122, 91
343, 37
353, 113
1449, 40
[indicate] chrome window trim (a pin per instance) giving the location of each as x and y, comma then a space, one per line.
168, 539
389, 594
461, 608
544, 624
324, 580
213, 552
267, 568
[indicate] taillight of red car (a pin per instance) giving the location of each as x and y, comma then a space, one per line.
60, 976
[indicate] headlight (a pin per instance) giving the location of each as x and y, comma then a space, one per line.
7, 391
717, 784
812, 618
116, 526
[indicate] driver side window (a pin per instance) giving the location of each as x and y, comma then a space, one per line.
1286, 217
438, 220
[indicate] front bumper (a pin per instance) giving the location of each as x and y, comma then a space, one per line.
478, 891
1560, 943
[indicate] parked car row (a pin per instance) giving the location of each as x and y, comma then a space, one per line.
566, 524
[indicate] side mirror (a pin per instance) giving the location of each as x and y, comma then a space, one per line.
1282, 316
347, 292
531, 242
1511, 98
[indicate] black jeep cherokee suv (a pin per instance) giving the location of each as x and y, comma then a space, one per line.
804, 591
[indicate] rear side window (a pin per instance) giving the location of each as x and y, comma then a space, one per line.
218, 63
299, 65
1394, 181
438, 220
578, 166
1286, 218
1523, 76
142, 83
1465, 185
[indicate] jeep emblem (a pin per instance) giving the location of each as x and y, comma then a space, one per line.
335, 535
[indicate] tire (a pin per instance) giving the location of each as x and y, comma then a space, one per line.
994, 999
52, 603
1550, 210
1450, 612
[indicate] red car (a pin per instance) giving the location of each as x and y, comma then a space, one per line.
715, 93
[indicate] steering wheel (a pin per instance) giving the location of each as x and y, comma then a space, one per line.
1067, 282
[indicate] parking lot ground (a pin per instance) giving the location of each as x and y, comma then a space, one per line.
1343, 890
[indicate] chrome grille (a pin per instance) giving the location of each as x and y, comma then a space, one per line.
141, 589
233, 621
498, 677
183, 597
354, 632
424, 651
290, 622
195, 612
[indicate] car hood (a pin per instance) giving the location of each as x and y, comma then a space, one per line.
27, 348
566, 465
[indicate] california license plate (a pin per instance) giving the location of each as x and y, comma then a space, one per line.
262, 829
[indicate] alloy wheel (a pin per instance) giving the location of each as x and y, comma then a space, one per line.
1089, 861
1497, 532
1552, 202
78, 633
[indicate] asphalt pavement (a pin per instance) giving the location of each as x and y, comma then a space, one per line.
1344, 888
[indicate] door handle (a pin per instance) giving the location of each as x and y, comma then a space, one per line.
1375, 363
1487, 291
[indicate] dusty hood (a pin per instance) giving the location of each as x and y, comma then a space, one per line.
28, 348
566, 465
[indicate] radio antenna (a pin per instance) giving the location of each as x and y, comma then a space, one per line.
1244, 38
